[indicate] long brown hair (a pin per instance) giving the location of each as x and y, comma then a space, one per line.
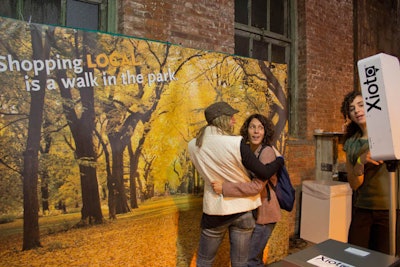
352, 128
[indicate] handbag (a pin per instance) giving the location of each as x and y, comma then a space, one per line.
284, 189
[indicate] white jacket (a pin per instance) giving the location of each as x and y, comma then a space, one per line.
219, 159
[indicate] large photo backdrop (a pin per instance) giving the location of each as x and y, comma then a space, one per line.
101, 122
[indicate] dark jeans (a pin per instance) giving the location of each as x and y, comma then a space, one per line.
370, 229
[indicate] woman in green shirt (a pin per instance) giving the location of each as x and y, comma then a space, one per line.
369, 180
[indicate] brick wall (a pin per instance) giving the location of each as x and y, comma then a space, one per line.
328, 61
205, 25
325, 75
378, 28
300, 160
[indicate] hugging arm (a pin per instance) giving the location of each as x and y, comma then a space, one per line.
252, 163
229, 189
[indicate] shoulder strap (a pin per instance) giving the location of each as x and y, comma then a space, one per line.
262, 148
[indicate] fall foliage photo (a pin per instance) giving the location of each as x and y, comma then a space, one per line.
94, 168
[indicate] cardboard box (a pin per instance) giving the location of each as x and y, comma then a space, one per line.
325, 210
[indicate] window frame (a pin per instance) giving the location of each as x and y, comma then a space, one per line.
260, 34
287, 40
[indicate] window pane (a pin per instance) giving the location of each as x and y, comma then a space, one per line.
259, 14
46, 11
36, 11
278, 54
260, 50
82, 15
8, 8
241, 11
278, 17
241, 46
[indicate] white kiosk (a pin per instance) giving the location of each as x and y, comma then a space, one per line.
380, 88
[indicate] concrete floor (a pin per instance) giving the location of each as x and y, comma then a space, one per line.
296, 244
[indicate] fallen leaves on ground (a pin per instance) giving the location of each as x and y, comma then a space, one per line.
165, 238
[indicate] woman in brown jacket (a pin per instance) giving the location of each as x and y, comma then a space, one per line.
257, 131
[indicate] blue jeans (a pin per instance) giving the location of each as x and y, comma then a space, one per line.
240, 231
259, 240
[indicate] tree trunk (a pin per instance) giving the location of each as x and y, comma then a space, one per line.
31, 235
83, 129
277, 89
111, 186
91, 210
118, 193
133, 175
44, 189
31, 238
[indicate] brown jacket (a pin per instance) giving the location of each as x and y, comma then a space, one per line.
269, 211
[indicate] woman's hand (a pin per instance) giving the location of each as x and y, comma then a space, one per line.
217, 186
355, 173
366, 158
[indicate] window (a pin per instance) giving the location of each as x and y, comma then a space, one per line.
88, 14
262, 29
81, 14
266, 30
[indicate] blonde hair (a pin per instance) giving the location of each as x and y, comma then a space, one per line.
223, 123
